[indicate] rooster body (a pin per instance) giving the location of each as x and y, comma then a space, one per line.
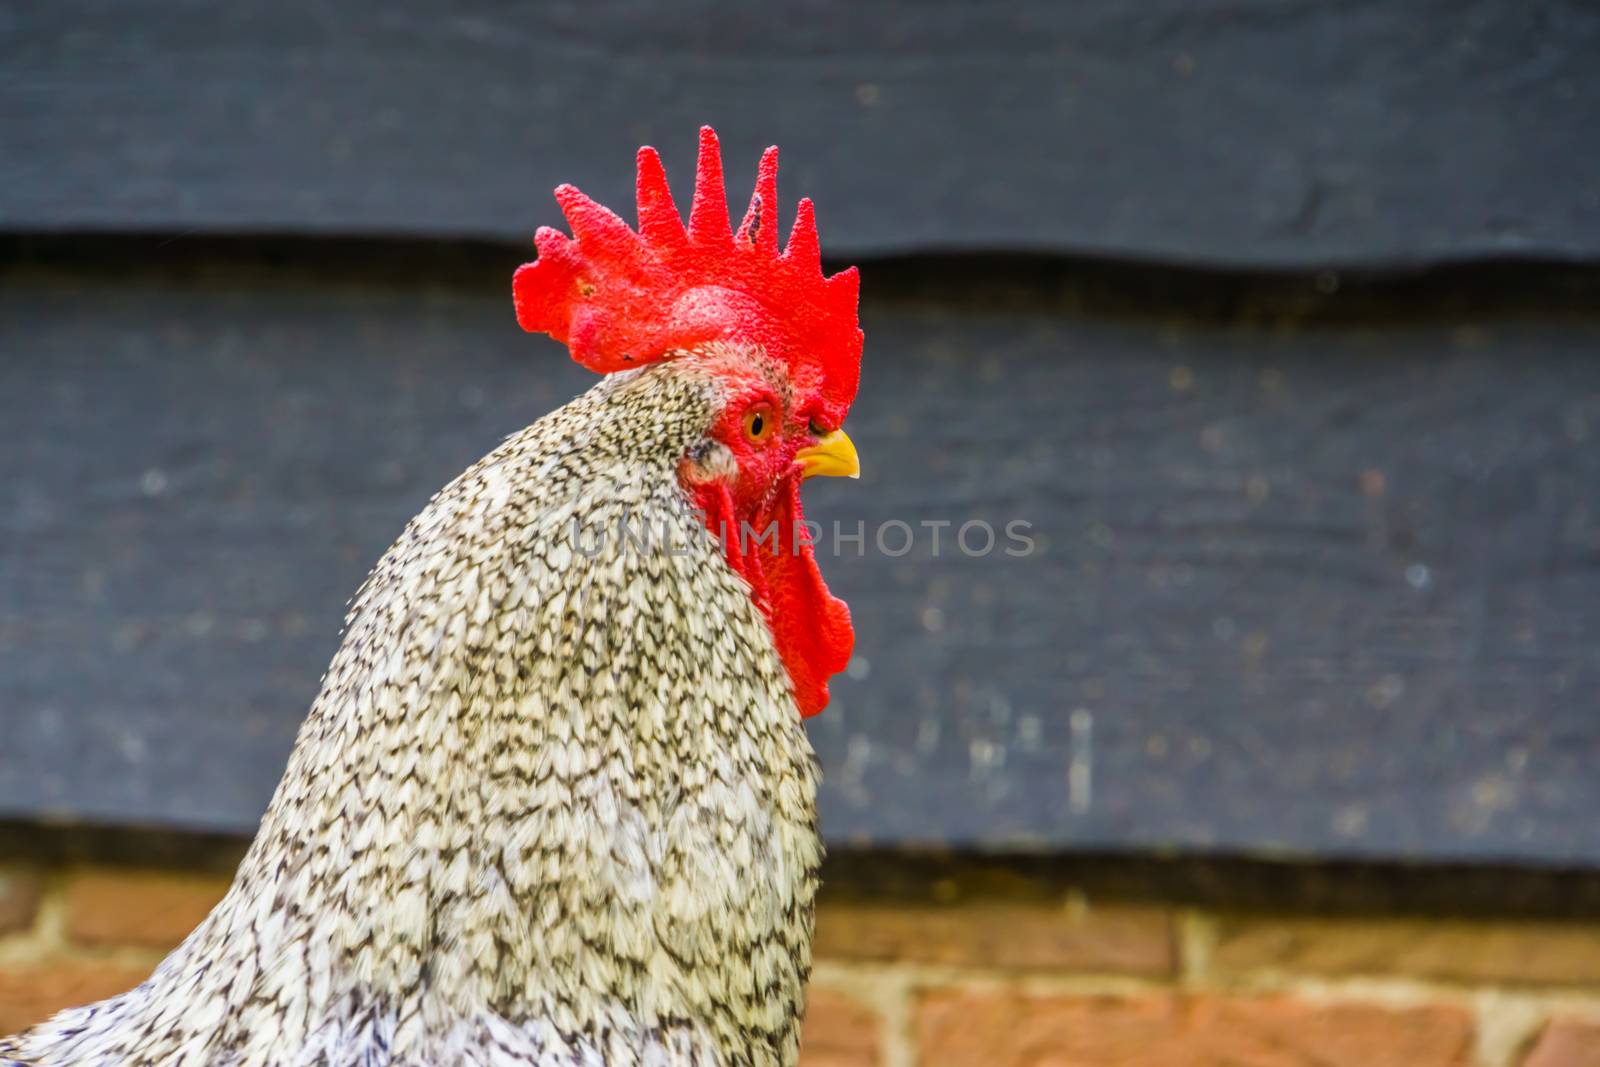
554, 804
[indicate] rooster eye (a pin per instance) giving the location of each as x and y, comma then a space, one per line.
759, 423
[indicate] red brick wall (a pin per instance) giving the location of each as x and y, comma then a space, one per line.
985, 983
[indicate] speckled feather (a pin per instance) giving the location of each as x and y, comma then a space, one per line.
553, 804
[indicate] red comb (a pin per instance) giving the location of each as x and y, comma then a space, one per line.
621, 299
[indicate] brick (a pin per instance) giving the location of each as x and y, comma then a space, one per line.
142, 908
1533, 953
32, 995
1007, 1029
1566, 1043
20, 890
839, 1032
1113, 940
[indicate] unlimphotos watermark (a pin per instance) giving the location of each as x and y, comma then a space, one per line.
894, 538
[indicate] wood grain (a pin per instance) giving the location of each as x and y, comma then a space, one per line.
1322, 588
1261, 133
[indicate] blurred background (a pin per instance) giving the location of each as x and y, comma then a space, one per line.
1276, 321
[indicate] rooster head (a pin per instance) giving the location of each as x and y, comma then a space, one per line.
783, 341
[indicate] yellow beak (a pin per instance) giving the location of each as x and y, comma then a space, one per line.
833, 454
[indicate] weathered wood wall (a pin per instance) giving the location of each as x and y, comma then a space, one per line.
1320, 584
1264, 132
1316, 515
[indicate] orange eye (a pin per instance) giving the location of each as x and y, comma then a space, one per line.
760, 424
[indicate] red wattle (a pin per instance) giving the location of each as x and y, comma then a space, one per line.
810, 626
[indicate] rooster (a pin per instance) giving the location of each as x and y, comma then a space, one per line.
554, 803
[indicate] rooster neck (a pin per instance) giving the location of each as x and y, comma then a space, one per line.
554, 788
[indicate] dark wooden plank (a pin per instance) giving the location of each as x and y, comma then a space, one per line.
1243, 132
1225, 883
1330, 589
